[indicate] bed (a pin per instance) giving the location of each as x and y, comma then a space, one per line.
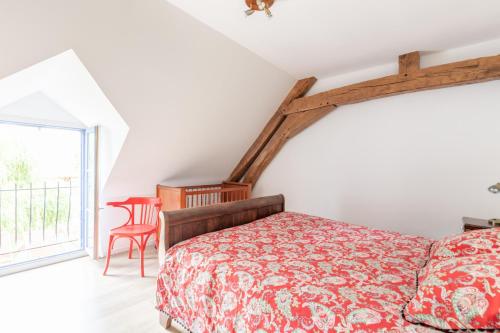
277, 271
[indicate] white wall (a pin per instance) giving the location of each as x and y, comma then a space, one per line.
412, 163
193, 99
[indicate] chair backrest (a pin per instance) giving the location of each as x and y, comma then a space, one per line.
142, 210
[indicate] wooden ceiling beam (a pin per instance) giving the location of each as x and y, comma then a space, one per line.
292, 125
297, 112
448, 75
409, 63
299, 89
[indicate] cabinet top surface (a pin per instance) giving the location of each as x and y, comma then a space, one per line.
476, 222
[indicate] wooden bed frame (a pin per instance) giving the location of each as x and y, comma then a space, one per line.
177, 226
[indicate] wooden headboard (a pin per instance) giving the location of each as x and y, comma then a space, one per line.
177, 226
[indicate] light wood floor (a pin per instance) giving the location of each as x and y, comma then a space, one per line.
73, 297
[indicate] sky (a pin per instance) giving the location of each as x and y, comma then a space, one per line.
54, 153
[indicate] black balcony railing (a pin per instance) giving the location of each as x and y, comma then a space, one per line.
35, 216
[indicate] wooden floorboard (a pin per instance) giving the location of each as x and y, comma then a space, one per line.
73, 296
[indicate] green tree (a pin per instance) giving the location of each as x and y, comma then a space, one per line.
19, 170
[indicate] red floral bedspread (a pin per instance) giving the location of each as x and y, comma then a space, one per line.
292, 273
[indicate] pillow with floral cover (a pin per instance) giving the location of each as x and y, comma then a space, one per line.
458, 293
482, 241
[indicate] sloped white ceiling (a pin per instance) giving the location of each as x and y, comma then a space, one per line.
328, 37
47, 112
192, 99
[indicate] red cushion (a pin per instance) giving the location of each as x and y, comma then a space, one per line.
483, 241
458, 293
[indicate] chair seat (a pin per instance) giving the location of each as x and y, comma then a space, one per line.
136, 229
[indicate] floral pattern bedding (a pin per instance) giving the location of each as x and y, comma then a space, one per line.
458, 293
295, 273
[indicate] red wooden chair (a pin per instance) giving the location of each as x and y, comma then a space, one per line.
142, 223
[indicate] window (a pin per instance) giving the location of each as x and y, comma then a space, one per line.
43, 193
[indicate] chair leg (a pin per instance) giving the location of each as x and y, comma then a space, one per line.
130, 249
141, 250
108, 257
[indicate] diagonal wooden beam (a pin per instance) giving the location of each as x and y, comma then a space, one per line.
292, 125
299, 89
453, 74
